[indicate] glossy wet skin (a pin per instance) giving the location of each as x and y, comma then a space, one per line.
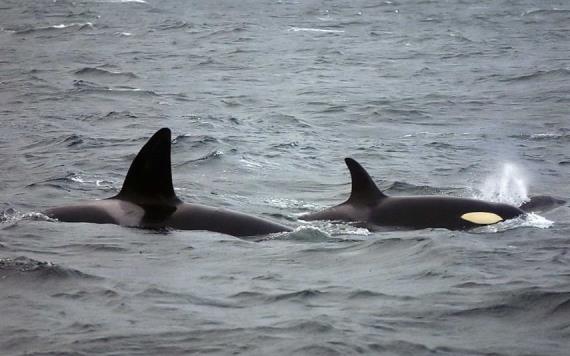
415, 212
435, 212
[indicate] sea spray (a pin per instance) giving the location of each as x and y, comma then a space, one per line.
507, 186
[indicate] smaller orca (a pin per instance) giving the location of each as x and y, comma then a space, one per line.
147, 200
371, 207
541, 204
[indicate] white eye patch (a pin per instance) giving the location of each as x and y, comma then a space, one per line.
482, 218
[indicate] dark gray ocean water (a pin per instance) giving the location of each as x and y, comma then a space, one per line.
265, 99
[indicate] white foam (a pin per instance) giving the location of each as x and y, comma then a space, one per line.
301, 233
528, 220
75, 24
535, 220
12, 217
539, 136
78, 179
250, 164
284, 203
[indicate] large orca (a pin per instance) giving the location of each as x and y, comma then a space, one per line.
147, 200
367, 205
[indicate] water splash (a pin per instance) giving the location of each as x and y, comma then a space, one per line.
12, 216
529, 220
508, 186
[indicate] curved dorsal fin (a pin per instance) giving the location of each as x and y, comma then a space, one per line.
364, 190
149, 180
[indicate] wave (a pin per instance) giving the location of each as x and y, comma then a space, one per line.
559, 73
210, 156
378, 247
77, 179
546, 12
78, 25
16, 268
310, 29
216, 154
111, 115
402, 347
98, 72
121, 1
173, 25
298, 296
301, 233
11, 217
195, 140
88, 87
83, 86
167, 297
99, 247
546, 136
367, 294
284, 203
533, 303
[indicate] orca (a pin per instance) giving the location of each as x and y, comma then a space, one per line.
147, 200
541, 204
371, 208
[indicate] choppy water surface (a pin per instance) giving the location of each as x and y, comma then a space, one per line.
265, 99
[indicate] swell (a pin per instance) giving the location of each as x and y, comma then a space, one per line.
562, 137
42, 29
165, 297
24, 268
99, 72
255, 298
547, 12
532, 304
539, 75
84, 86
171, 24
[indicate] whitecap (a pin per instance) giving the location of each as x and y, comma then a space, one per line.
540, 136
75, 24
77, 179
292, 203
302, 233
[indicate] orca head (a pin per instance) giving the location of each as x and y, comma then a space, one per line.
364, 191
149, 179
541, 204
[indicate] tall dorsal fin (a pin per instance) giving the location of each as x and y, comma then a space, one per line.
364, 190
149, 180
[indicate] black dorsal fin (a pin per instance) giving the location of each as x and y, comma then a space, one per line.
149, 180
364, 190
